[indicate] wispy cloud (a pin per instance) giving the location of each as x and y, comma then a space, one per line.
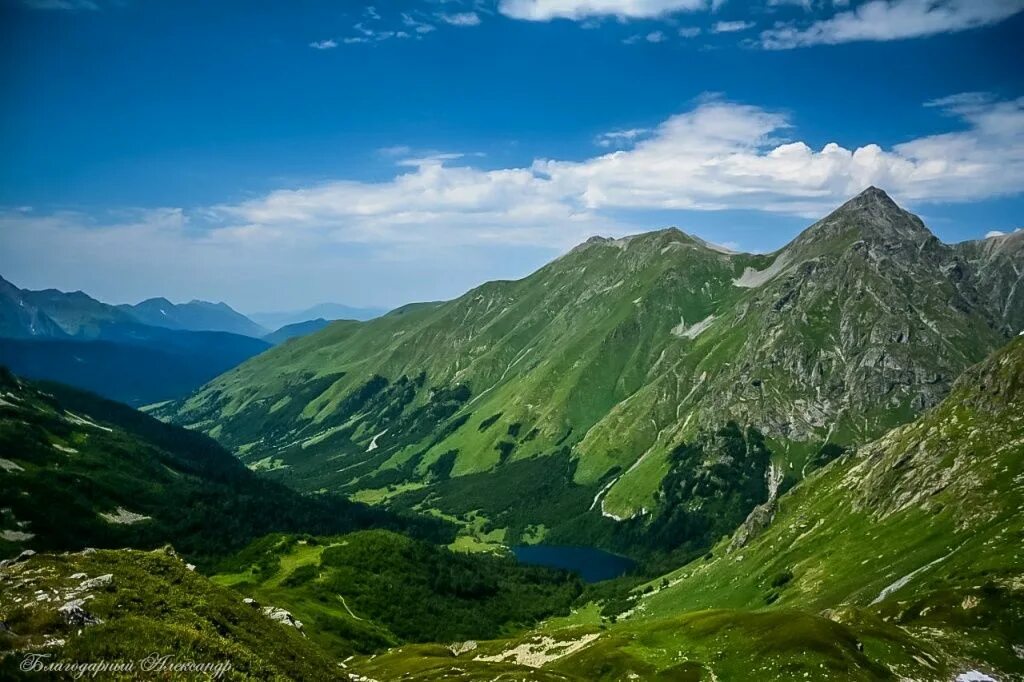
881, 20
416, 25
731, 26
461, 19
546, 10
689, 31
621, 138
328, 44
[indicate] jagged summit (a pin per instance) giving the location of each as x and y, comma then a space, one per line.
871, 215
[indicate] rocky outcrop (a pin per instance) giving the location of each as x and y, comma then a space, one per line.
283, 617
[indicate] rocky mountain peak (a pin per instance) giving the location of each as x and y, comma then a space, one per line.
871, 216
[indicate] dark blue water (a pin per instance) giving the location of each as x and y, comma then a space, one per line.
592, 564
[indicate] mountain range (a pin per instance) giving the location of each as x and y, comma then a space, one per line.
139, 354
194, 316
576, 386
815, 458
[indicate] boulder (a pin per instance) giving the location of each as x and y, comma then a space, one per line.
74, 615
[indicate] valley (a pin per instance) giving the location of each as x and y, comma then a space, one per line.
799, 465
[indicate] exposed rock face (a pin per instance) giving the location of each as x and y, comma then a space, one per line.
283, 617
996, 267
74, 615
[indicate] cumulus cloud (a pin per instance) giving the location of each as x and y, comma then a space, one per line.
725, 155
461, 19
717, 155
546, 10
880, 20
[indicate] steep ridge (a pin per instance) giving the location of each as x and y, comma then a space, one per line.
995, 264
595, 368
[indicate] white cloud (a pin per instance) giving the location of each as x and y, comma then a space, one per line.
724, 155
718, 155
416, 25
546, 10
461, 19
732, 26
689, 32
881, 20
328, 44
655, 37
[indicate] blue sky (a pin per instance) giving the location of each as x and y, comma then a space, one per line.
278, 154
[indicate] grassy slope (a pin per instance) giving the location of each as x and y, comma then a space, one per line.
70, 457
153, 604
852, 335
902, 560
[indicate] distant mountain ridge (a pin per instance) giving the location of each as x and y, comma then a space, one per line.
291, 331
73, 338
590, 372
194, 316
326, 311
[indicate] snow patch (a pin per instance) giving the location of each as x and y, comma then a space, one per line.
751, 278
693, 331
65, 448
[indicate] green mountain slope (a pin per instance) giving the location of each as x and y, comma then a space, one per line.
901, 560
594, 369
77, 470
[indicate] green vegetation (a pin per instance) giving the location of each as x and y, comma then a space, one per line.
365, 590
611, 357
151, 603
79, 470
900, 560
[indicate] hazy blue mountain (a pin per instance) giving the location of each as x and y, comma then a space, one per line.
73, 338
291, 331
327, 311
194, 316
